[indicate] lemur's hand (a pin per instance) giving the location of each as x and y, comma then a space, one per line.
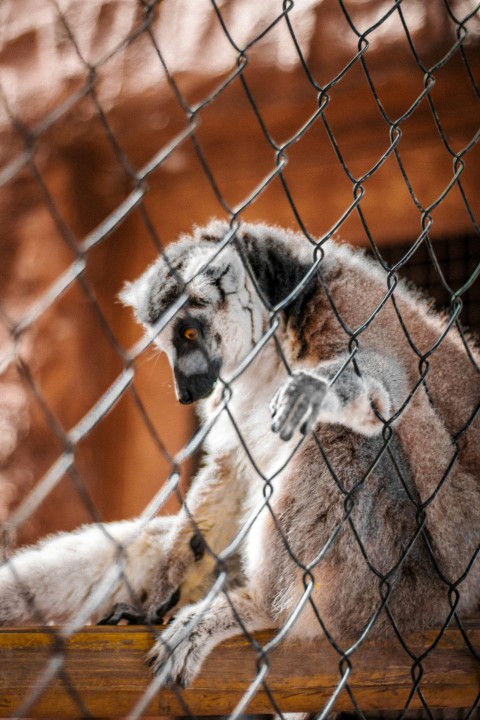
297, 403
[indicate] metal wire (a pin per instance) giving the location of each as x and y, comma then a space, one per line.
453, 293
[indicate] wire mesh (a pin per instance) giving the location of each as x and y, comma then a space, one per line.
240, 47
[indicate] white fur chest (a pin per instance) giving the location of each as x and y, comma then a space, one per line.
262, 457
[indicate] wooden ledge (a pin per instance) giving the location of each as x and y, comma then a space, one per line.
106, 667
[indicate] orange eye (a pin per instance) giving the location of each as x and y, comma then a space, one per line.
190, 334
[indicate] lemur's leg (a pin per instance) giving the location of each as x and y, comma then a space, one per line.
310, 396
79, 575
119, 570
204, 526
181, 650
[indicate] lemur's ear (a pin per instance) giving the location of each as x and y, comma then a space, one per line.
139, 294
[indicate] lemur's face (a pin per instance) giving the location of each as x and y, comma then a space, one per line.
213, 330
194, 356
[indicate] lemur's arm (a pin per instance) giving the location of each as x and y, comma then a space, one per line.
319, 395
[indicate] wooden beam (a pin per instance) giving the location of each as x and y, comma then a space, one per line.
105, 667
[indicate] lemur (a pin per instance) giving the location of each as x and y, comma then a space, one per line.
338, 485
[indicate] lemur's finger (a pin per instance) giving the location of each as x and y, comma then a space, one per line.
287, 396
274, 402
282, 414
296, 415
311, 419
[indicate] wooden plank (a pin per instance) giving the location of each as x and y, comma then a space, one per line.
106, 667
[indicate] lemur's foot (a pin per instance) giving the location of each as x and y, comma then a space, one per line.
178, 655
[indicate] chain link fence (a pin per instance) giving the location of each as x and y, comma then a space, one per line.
52, 439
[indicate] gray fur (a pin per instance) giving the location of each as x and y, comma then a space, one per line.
348, 502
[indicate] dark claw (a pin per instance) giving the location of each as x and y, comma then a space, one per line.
151, 661
197, 543
123, 611
160, 612
169, 683
156, 618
